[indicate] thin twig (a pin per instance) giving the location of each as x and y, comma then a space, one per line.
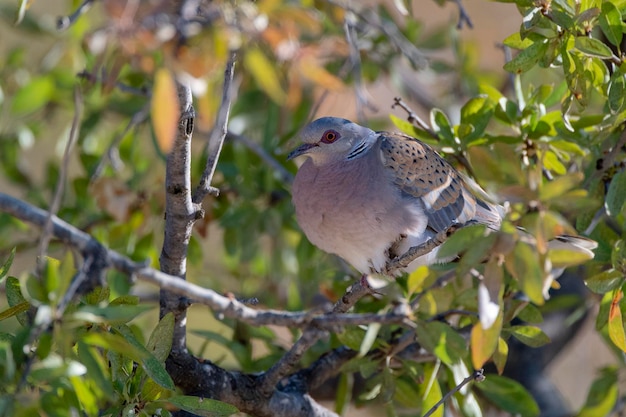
218, 134
355, 61
477, 376
60, 186
416, 251
414, 55
413, 117
64, 22
463, 16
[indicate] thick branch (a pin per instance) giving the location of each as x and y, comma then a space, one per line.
226, 306
180, 215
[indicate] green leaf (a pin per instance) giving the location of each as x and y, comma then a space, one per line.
202, 406
153, 367
160, 342
529, 335
616, 196
605, 281
527, 59
443, 341
523, 265
602, 395
15, 310
115, 314
430, 391
593, 47
4, 269
500, 355
95, 368
477, 113
33, 95
15, 298
611, 23
559, 186
461, 240
508, 395
441, 125
616, 92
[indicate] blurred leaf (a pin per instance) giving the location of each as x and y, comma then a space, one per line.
440, 339
617, 92
264, 73
602, 396
616, 323
461, 240
477, 113
508, 395
110, 314
523, 264
559, 186
95, 368
593, 47
605, 281
369, 338
164, 109
484, 342
529, 335
32, 96
202, 406
500, 355
615, 195
430, 391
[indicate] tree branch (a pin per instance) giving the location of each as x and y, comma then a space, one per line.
180, 215
218, 134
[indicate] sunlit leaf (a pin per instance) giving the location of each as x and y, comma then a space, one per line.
441, 125
430, 391
616, 323
264, 73
32, 96
602, 395
523, 264
484, 342
443, 341
529, 335
164, 109
500, 355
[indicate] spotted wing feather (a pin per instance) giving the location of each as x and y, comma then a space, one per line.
422, 174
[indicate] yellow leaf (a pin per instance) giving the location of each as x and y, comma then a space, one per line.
309, 69
484, 342
265, 74
616, 325
164, 109
500, 355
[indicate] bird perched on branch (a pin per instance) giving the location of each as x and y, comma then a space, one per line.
369, 196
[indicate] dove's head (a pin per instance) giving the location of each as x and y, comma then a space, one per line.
331, 139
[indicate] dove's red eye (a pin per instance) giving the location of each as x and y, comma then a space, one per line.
330, 136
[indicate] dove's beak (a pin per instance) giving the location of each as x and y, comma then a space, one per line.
301, 150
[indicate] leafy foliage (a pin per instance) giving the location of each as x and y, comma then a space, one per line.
550, 143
